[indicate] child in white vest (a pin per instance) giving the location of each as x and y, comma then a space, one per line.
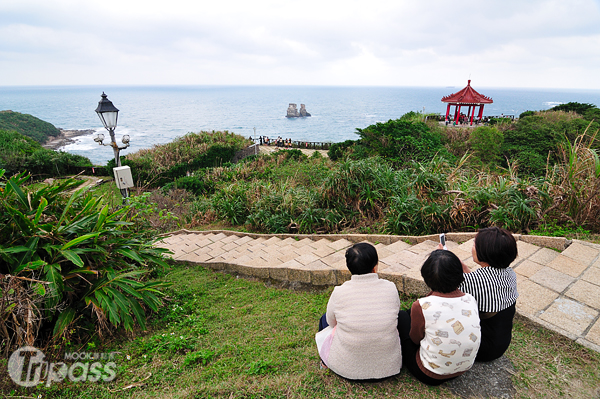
440, 335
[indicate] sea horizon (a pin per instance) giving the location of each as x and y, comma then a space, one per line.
156, 114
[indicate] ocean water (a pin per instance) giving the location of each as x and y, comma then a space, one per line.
157, 114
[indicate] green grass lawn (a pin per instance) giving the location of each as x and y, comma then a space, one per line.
219, 336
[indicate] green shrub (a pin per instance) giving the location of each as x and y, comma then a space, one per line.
500, 121
19, 153
215, 155
66, 260
587, 111
294, 154
533, 141
402, 141
162, 164
338, 151
316, 155
231, 204
268, 221
486, 143
361, 186
196, 185
580, 108
526, 113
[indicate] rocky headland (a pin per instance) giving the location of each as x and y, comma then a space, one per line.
65, 137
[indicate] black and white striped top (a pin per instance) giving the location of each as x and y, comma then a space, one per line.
494, 289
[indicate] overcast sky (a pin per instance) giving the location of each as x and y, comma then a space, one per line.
508, 43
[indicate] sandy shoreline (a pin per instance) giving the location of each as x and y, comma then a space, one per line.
65, 137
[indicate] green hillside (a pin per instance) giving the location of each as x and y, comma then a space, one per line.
27, 125
19, 153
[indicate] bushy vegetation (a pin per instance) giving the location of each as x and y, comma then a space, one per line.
280, 194
533, 140
486, 145
588, 111
80, 265
69, 264
27, 125
365, 186
399, 141
19, 153
163, 163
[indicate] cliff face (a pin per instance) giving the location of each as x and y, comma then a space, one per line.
292, 111
303, 110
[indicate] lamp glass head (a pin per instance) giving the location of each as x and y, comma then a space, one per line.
107, 112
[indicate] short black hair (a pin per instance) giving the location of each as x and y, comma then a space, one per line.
442, 271
361, 258
496, 247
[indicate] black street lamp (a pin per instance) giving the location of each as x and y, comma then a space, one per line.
108, 114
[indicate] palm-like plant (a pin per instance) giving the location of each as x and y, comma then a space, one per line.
74, 259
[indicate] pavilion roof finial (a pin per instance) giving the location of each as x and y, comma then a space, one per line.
468, 95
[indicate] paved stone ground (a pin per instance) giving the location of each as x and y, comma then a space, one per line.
485, 380
267, 149
559, 288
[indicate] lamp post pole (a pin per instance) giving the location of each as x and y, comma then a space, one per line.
108, 114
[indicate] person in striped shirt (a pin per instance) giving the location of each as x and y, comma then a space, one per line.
494, 287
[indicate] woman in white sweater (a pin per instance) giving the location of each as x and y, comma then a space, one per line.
358, 336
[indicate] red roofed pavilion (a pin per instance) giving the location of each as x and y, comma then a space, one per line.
466, 97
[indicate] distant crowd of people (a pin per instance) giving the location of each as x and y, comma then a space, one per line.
465, 119
278, 142
288, 143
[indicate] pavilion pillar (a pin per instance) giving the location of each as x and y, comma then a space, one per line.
447, 112
472, 114
457, 113
480, 111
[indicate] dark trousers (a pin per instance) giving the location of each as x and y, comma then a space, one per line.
496, 334
323, 322
410, 351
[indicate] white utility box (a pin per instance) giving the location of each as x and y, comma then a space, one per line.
123, 177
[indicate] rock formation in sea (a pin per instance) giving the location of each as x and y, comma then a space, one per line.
303, 110
292, 111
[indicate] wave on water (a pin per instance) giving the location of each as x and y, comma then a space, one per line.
79, 145
336, 111
552, 103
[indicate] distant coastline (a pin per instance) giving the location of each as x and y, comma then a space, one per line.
336, 111
65, 137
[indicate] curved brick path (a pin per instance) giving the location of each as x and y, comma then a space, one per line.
558, 288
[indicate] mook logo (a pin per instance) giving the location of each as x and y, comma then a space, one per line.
27, 367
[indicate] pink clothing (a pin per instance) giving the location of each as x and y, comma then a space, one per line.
365, 345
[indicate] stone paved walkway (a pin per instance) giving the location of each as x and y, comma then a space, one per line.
559, 288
